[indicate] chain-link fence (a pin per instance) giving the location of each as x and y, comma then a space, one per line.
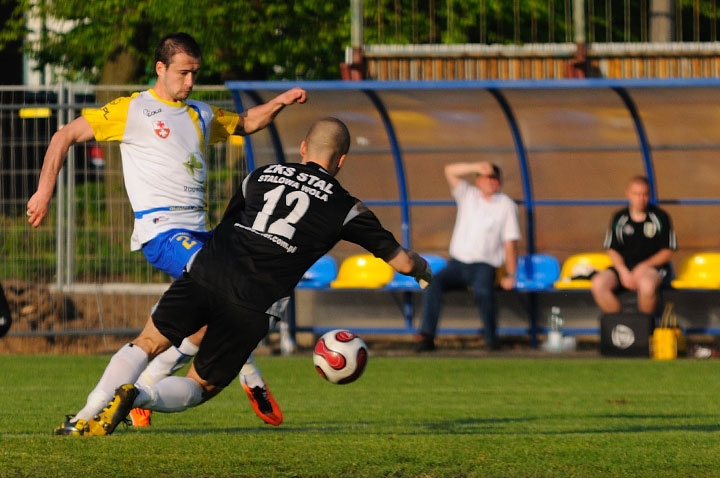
82, 249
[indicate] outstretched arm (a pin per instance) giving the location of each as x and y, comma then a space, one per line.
258, 117
76, 131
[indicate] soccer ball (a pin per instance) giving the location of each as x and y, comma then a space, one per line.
340, 356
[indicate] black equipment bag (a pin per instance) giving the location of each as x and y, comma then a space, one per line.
5, 317
626, 334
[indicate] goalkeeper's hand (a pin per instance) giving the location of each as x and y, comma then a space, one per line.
421, 270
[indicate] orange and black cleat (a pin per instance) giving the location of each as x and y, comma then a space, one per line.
263, 403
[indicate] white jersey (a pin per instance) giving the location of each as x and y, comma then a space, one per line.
163, 144
482, 226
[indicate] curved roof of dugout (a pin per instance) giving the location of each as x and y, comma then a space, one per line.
567, 149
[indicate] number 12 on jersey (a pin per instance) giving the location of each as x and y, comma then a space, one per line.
282, 226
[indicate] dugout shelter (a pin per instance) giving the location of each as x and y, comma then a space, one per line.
566, 147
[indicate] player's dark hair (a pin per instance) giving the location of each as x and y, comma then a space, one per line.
175, 43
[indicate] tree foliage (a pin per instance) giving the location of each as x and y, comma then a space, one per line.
240, 39
113, 40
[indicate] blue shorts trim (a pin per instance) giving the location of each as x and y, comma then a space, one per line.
169, 251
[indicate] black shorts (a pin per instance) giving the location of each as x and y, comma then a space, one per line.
233, 331
665, 271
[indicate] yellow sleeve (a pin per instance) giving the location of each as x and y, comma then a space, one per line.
108, 122
223, 124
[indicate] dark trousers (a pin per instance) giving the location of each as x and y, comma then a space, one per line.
480, 277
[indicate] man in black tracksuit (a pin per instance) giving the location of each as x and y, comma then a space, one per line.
640, 242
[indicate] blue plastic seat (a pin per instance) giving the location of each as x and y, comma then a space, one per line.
401, 281
320, 274
536, 272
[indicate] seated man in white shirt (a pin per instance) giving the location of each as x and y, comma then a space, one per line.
484, 238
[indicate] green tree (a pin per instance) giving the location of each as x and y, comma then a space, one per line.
112, 41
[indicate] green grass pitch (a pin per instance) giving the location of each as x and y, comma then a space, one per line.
407, 416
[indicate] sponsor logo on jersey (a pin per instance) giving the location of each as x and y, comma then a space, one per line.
628, 230
308, 183
161, 129
150, 113
649, 229
195, 167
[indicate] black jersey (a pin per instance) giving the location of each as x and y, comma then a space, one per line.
279, 222
636, 241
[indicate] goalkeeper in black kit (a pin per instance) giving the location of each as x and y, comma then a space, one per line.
279, 222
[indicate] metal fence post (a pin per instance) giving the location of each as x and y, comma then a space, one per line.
60, 215
70, 208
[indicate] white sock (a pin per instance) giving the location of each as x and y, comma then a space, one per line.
168, 362
251, 374
171, 394
124, 367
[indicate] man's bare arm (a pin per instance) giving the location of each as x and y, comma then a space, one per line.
456, 171
77, 131
258, 117
507, 282
661, 257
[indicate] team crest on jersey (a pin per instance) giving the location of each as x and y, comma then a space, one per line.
628, 230
649, 229
161, 129
195, 167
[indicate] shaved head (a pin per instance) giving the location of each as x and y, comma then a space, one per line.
327, 141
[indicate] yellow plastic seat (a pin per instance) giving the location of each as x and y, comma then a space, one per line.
581, 265
363, 271
699, 271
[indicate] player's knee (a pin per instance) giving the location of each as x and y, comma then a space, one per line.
151, 345
602, 283
647, 288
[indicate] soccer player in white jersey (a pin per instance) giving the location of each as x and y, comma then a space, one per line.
163, 138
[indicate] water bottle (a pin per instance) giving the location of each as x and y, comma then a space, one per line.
556, 320
555, 336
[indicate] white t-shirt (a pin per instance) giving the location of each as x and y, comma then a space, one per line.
162, 144
482, 226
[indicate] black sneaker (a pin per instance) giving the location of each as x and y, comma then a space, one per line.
426, 343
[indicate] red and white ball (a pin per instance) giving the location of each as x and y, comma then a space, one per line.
340, 356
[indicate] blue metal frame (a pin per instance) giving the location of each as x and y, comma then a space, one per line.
524, 169
477, 85
527, 199
495, 88
249, 152
642, 138
399, 165
274, 136
406, 304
